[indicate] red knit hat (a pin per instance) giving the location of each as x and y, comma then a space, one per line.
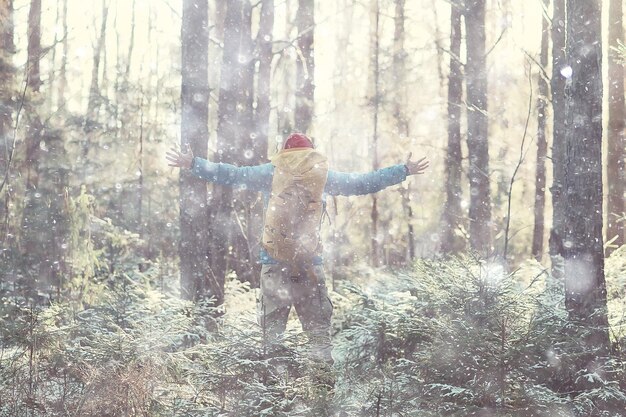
297, 140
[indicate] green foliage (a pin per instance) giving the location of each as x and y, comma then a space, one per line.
455, 338
132, 347
462, 336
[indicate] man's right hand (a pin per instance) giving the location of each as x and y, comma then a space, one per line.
178, 159
416, 167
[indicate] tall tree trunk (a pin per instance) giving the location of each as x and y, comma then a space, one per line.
477, 128
558, 83
94, 101
399, 112
399, 70
237, 144
451, 242
33, 241
615, 169
285, 117
305, 65
34, 45
63, 69
375, 100
235, 114
140, 169
7, 50
131, 42
94, 88
197, 281
52, 70
249, 270
438, 44
33, 136
264, 44
542, 143
580, 178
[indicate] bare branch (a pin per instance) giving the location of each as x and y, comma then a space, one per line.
519, 163
496, 42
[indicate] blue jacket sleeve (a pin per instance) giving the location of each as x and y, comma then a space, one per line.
344, 183
255, 178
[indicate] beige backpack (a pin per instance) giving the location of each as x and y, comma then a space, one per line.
294, 211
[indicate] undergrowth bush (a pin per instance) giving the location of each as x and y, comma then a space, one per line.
453, 338
463, 337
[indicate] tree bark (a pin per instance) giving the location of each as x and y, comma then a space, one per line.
34, 243
95, 100
580, 178
375, 100
238, 144
235, 115
305, 65
94, 89
34, 45
7, 50
63, 69
542, 144
451, 242
477, 128
399, 113
558, 134
197, 281
264, 44
131, 42
33, 135
285, 115
615, 168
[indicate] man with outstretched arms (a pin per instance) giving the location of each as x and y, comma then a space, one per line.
292, 185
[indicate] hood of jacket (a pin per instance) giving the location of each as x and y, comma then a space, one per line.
298, 161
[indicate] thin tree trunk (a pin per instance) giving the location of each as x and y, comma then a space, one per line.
285, 117
33, 136
438, 46
131, 42
94, 100
477, 128
63, 69
615, 168
399, 112
399, 67
542, 143
52, 71
197, 281
581, 178
34, 45
558, 83
140, 179
264, 41
374, 55
32, 240
305, 65
451, 242
94, 89
7, 50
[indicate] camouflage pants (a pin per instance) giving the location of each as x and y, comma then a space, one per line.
283, 287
